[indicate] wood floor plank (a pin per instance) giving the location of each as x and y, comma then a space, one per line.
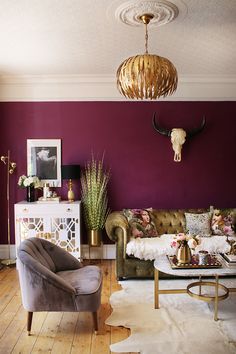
9, 313
4, 272
9, 286
45, 339
13, 332
25, 343
83, 334
65, 334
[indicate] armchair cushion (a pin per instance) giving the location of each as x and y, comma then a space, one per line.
78, 279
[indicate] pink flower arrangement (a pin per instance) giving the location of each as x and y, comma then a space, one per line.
182, 238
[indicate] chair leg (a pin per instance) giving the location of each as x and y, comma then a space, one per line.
95, 321
29, 322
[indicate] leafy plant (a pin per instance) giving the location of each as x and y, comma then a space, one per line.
94, 180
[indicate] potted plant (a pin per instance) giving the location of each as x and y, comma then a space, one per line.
94, 180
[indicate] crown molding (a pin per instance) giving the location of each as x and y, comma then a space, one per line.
103, 88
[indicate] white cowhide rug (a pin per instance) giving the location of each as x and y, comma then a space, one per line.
182, 325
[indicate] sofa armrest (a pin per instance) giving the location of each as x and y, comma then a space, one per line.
117, 228
115, 220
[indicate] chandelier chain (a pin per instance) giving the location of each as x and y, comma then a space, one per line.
146, 39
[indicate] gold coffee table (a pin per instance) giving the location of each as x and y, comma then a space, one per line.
162, 264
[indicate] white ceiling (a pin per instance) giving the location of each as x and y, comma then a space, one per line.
84, 39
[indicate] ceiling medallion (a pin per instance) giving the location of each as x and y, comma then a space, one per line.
163, 12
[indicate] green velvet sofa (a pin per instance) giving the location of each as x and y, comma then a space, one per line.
167, 221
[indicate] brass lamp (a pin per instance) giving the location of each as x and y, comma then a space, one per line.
70, 172
10, 169
146, 76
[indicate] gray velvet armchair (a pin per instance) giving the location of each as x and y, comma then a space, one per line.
53, 280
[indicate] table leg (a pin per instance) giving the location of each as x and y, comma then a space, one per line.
156, 289
200, 286
216, 298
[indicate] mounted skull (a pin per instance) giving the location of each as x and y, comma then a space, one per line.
178, 136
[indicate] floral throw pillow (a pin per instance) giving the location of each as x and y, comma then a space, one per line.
198, 224
140, 222
223, 222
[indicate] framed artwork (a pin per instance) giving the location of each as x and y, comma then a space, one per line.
44, 160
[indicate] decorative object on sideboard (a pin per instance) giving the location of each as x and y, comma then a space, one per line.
94, 180
44, 160
11, 166
177, 135
30, 183
49, 196
70, 172
46, 191
30, 194
147, 76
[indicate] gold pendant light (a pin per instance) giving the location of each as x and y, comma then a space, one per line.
146, 76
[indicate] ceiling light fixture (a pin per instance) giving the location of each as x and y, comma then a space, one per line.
146, 76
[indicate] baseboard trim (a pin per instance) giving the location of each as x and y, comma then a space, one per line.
104, 252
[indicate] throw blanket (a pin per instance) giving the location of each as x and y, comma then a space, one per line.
151, 248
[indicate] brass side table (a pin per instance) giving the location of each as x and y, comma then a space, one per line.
162, 264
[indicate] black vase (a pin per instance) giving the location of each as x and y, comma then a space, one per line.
30, 196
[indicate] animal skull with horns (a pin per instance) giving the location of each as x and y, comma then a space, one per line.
178, 136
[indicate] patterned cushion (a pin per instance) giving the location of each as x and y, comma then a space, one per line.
140, 222
198, 224
223, 222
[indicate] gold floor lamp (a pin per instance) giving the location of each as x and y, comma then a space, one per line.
10, 169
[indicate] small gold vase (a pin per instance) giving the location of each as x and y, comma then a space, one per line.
95, 238
184, 254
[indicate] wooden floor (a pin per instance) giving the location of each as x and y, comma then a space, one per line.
55, 332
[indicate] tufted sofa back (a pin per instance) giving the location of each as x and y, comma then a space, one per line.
172, 221
167, 221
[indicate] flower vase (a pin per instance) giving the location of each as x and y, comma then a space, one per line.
30, 194
184, 254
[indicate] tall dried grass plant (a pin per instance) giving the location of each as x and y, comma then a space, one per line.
94, 180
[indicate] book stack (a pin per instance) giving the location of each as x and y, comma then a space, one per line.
229, 260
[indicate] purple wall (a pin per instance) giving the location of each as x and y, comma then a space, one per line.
141, 161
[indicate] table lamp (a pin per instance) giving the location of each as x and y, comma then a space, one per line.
70, 172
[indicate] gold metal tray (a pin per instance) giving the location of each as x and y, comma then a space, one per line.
213, 262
